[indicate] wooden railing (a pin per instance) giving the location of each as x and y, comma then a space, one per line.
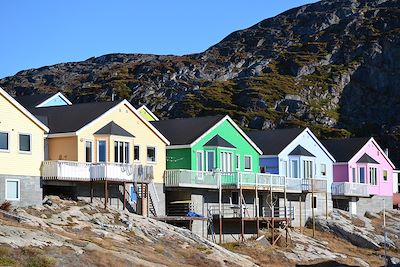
78, 171
350, 189
205, 179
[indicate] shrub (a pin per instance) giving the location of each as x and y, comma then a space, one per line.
6, 206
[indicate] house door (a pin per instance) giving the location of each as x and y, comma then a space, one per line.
101, 151
199, 164
226, 162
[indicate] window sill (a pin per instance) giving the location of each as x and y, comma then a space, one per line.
4, 151
13, 199
25, 152
152, 162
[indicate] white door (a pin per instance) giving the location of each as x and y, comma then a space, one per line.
226, 161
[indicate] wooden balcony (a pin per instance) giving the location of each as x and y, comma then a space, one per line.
78, 171
350, 189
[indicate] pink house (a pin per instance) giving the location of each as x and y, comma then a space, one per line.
362, 175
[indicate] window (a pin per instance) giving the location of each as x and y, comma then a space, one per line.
101, 150
126, 154
323, 170
88, 151
226, 162
295, 169
235, 198
237, 162
314, 202
136, 153
373, 176
284, 166
262, 169
210, 160
4, 141
151, 154
12, 189
307, 166
353, 173
362, 175
385, 175
248, 163
121, 152
24, 143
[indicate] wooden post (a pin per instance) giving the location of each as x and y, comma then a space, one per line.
241, 207
326, 201
285, 197
105, 194
257, 213
124, 205
312, 207
218, 173
300, 214
91, 191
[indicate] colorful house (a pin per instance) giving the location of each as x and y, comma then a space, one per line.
363, 175
104, 150
147, 114
21, 153
299, 156
43, 100
202, 150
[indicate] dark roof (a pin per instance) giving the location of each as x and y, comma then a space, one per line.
31, 101
272, 142
185, 131
344, 149
301, 151
219, 141
66, 119
367, 159
114, 129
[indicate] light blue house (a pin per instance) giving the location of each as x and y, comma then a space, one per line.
43, 100
298, 155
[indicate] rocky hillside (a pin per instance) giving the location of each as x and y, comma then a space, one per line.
77, 233
333, 65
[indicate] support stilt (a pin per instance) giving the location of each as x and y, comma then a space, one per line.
91, 191
124, 205
105, 194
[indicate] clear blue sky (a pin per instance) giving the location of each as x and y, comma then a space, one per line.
46, 32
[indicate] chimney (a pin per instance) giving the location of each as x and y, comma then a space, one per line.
112, 96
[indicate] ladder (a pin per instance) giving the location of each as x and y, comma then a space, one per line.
210, 225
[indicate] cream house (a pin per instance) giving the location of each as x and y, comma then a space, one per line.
21, 153
104, 150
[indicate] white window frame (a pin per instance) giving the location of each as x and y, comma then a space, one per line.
214, 159
354, 178
312, 202
291, 168
30, 144
123, 151
18, 188
326, 170
134, 154
237, 157
155, 154
97, 149
92, 152
375, 177
8, 142
387, 175
251, 163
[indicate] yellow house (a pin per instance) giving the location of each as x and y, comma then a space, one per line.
21, 153
105, 150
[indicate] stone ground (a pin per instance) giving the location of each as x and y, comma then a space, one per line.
76, 233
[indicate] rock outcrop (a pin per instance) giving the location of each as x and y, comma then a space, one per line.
339, 58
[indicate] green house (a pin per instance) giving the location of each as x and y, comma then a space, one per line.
206, 144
